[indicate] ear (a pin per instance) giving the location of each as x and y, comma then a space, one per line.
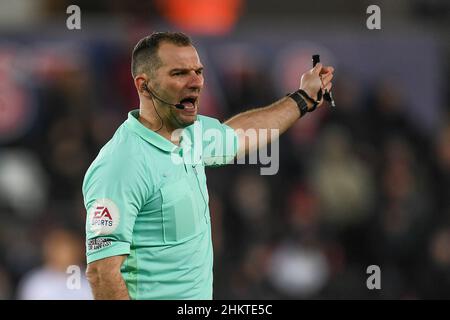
140, 83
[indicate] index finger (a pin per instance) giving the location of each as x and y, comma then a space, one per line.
317, 68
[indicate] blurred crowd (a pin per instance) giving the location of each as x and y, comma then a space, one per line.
359, 185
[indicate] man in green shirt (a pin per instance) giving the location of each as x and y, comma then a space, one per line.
148, 231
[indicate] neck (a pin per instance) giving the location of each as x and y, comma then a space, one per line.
150, 119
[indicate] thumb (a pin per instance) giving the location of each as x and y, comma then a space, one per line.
317, 68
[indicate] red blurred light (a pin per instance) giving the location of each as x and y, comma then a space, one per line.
209, 17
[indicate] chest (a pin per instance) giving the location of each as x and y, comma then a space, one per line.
178, 208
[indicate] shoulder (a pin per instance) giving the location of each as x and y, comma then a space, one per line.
207, 120
122, 158
123, 145
211, 123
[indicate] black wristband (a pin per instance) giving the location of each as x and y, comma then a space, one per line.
307, 97
301, 103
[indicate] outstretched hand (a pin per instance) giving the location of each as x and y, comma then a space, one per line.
317, 78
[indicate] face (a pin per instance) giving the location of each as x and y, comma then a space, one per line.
178, 80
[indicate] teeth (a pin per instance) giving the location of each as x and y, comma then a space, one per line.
189, 102
189, 105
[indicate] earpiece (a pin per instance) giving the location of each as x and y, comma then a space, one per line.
144, 87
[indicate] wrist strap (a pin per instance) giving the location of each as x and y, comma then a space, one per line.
301, 103
307, 97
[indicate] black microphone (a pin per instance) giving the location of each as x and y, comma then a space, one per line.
328, 96
178, 105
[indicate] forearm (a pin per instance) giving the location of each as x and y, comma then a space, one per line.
279, 115
282, 114
275, 119
110, 286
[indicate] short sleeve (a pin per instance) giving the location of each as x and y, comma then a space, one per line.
114, 189
220, 142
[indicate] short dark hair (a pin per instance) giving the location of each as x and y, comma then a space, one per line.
145, 54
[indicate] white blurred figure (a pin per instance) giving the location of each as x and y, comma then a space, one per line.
51, 281
23, 182
298, 271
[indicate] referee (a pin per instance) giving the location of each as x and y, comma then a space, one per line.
148, 229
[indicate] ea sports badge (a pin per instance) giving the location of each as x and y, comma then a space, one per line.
103, 217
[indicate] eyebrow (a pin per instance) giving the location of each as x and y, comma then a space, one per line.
185, 69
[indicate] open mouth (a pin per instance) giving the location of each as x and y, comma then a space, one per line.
189, 102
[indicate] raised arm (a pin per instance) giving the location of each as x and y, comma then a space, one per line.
281, 114
106, 280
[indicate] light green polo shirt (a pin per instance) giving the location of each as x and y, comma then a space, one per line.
147, 198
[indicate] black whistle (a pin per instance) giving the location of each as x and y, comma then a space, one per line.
328, 96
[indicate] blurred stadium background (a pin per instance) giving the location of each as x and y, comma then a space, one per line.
365, 184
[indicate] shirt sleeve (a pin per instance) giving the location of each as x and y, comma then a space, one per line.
114, 191
220, 142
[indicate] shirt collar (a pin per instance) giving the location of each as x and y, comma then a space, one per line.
145, 133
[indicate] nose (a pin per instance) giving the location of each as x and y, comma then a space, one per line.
196, 81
